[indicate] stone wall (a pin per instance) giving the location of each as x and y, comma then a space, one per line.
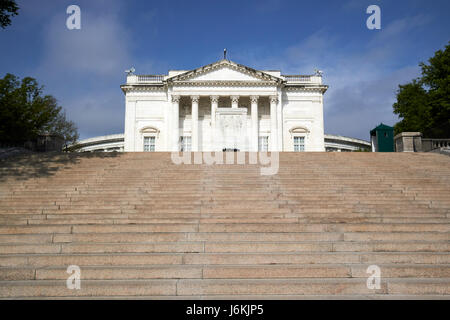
413, 142
408, 142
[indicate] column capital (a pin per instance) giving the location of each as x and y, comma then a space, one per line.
214, 99
234, 99
273, 99
195, 98
176, 98
254, 99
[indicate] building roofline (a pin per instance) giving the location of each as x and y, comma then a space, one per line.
355, 140
107, 138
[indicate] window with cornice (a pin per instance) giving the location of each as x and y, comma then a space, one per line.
299, 136
149, 136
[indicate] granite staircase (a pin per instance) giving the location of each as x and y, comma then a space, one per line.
140, 226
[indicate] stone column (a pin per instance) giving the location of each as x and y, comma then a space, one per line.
273, 123
167, 127
214, 106
176, 123
130, 125
280, 122
234, 101
255, 127
194, 123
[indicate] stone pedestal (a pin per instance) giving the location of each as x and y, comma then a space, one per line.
231, 129
408, 142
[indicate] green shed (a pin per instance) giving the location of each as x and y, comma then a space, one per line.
382, 138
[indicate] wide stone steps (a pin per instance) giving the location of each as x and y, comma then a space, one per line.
212, 219
140, 226
314, 237
123, 272
226, 247
228, 227
232, 287
120, 259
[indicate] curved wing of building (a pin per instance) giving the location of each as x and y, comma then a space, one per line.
109, 143
341, 143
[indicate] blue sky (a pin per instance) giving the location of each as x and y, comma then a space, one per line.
84, 68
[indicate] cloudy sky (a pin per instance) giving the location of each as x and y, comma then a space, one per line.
84, 68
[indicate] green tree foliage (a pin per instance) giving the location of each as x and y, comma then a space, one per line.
8, 8
25, 112
424, 103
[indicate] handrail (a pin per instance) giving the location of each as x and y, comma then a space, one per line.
437, 143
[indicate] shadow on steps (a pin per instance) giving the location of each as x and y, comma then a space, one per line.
38, 165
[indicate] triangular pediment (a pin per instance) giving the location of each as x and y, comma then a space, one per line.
224, 70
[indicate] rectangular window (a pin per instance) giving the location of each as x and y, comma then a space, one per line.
185, 143
263, 143
149, 144
299, 144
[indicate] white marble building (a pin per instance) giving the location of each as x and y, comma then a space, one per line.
224, 105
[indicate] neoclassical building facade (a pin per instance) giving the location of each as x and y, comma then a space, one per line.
224, 106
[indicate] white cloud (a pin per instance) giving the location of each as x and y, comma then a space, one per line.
397, 29
86, 67
100, 47
363, 77
354, 109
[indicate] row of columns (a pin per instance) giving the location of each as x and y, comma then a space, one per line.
273, 145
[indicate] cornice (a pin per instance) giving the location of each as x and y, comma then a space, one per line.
224, 83
140, 88
306, 88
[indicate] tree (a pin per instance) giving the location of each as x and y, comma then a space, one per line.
8, 8
424, 103
25, 112
412, 105
65, 128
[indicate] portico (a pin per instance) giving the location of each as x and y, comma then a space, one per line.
228, 121
223, 105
